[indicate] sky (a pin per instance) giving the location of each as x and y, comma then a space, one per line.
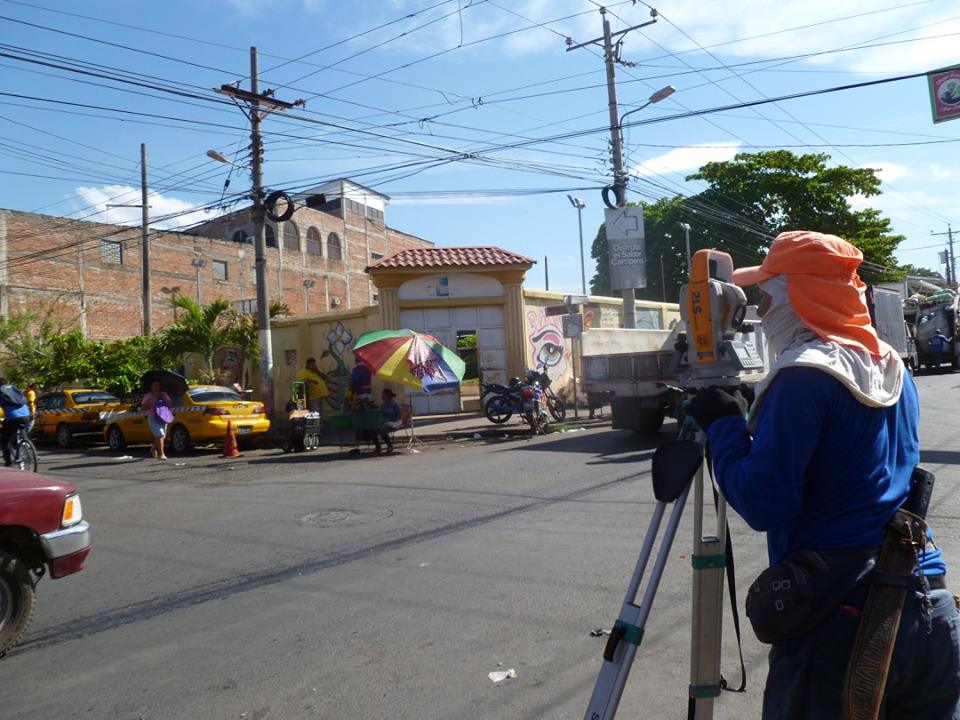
471, 115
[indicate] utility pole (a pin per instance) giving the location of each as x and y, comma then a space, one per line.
951, 262
686, 233
257, 106
145, 242
616, 137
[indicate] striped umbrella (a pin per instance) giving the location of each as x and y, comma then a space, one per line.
410, 358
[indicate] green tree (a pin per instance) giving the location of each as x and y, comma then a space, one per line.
915, 271
203, 329
749, 200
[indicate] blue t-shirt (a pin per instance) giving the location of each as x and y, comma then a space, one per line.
823, 471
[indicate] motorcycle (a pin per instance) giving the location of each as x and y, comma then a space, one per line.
533, 407
501, 402
555, 404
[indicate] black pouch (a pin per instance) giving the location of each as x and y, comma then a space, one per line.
794, 596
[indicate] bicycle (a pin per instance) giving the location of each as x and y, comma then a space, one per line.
24, 452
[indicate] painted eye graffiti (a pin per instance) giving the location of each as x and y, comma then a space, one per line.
549, 347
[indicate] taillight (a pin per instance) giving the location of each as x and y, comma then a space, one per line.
527, 393
259, 410
215, 411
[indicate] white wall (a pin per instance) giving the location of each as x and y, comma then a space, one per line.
458, 285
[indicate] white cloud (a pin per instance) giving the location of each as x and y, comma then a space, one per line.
889, 172
940, 172
160, 207
687, 158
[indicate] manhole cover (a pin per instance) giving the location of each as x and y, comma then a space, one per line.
343, 517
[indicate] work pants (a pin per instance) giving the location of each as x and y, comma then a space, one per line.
806, 676
8, 437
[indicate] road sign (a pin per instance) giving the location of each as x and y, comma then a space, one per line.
945, 94
555, 310
572, 326
626, 248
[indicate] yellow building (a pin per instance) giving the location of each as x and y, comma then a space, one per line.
472, 297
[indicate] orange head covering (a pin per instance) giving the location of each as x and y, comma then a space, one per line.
824, 288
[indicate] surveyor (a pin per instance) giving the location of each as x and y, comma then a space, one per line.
823, 464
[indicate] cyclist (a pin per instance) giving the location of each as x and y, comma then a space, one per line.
16, 416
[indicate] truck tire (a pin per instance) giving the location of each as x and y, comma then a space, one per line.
17, 601
651, 420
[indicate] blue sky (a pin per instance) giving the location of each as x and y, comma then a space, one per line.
398, 92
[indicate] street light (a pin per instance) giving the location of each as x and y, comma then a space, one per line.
260, 266
580, 205
661, 94
198, 264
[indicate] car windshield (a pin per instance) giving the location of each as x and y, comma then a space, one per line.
88, 398
213, 394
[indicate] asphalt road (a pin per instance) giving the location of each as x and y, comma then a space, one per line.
323, 586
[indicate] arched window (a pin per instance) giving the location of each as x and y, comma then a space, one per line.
314, 243
242, 236
271, 237
291, 237
334, 248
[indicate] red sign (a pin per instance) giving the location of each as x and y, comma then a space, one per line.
945, 94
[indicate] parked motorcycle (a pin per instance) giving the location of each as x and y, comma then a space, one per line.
555, 404
534, 413
501, 402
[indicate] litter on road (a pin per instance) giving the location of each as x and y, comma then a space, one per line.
501, 675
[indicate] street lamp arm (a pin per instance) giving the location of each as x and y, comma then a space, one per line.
631, 112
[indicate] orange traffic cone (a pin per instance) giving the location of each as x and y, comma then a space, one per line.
230, 449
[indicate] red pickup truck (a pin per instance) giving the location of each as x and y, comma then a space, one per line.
41, 530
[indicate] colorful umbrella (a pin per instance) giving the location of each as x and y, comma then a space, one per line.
410, 358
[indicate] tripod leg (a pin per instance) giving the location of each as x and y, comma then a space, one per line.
627, 633
709, 560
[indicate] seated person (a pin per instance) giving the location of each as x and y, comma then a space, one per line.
392, 418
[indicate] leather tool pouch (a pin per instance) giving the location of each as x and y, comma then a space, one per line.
870, 657
793, 597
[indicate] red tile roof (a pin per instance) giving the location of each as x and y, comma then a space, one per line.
451, 257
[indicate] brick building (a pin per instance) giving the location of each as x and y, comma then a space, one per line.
91, 271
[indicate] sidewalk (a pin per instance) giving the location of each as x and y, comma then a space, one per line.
470, 425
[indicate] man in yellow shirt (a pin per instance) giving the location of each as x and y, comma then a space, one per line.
316, 387
31, 395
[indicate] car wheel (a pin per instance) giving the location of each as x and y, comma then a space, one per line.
64, 435
180, 441
17, 601
115, 438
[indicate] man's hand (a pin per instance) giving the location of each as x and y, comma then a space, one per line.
713, 403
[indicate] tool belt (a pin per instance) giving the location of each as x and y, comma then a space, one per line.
869, 663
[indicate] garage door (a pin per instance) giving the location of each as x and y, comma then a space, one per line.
443, 324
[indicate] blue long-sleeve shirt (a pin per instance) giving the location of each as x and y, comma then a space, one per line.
823, 471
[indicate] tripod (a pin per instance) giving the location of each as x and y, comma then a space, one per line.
676, 466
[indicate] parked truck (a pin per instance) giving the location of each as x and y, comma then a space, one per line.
940, 312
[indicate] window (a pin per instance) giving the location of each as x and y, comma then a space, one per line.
219, 270
375, 256
291, 237
314, 243
92, 398
111, 251
202, 395
242, 236
245, 307
334, 248
271, 237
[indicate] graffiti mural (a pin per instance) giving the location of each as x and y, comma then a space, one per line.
338, 341
546, 343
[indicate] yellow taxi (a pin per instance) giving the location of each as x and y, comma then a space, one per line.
66, 414
200, 416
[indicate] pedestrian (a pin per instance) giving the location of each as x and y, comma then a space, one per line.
392, 418
938, 344
822, 466
156, 404
16, 416
361, 380
31, 395
317, 390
